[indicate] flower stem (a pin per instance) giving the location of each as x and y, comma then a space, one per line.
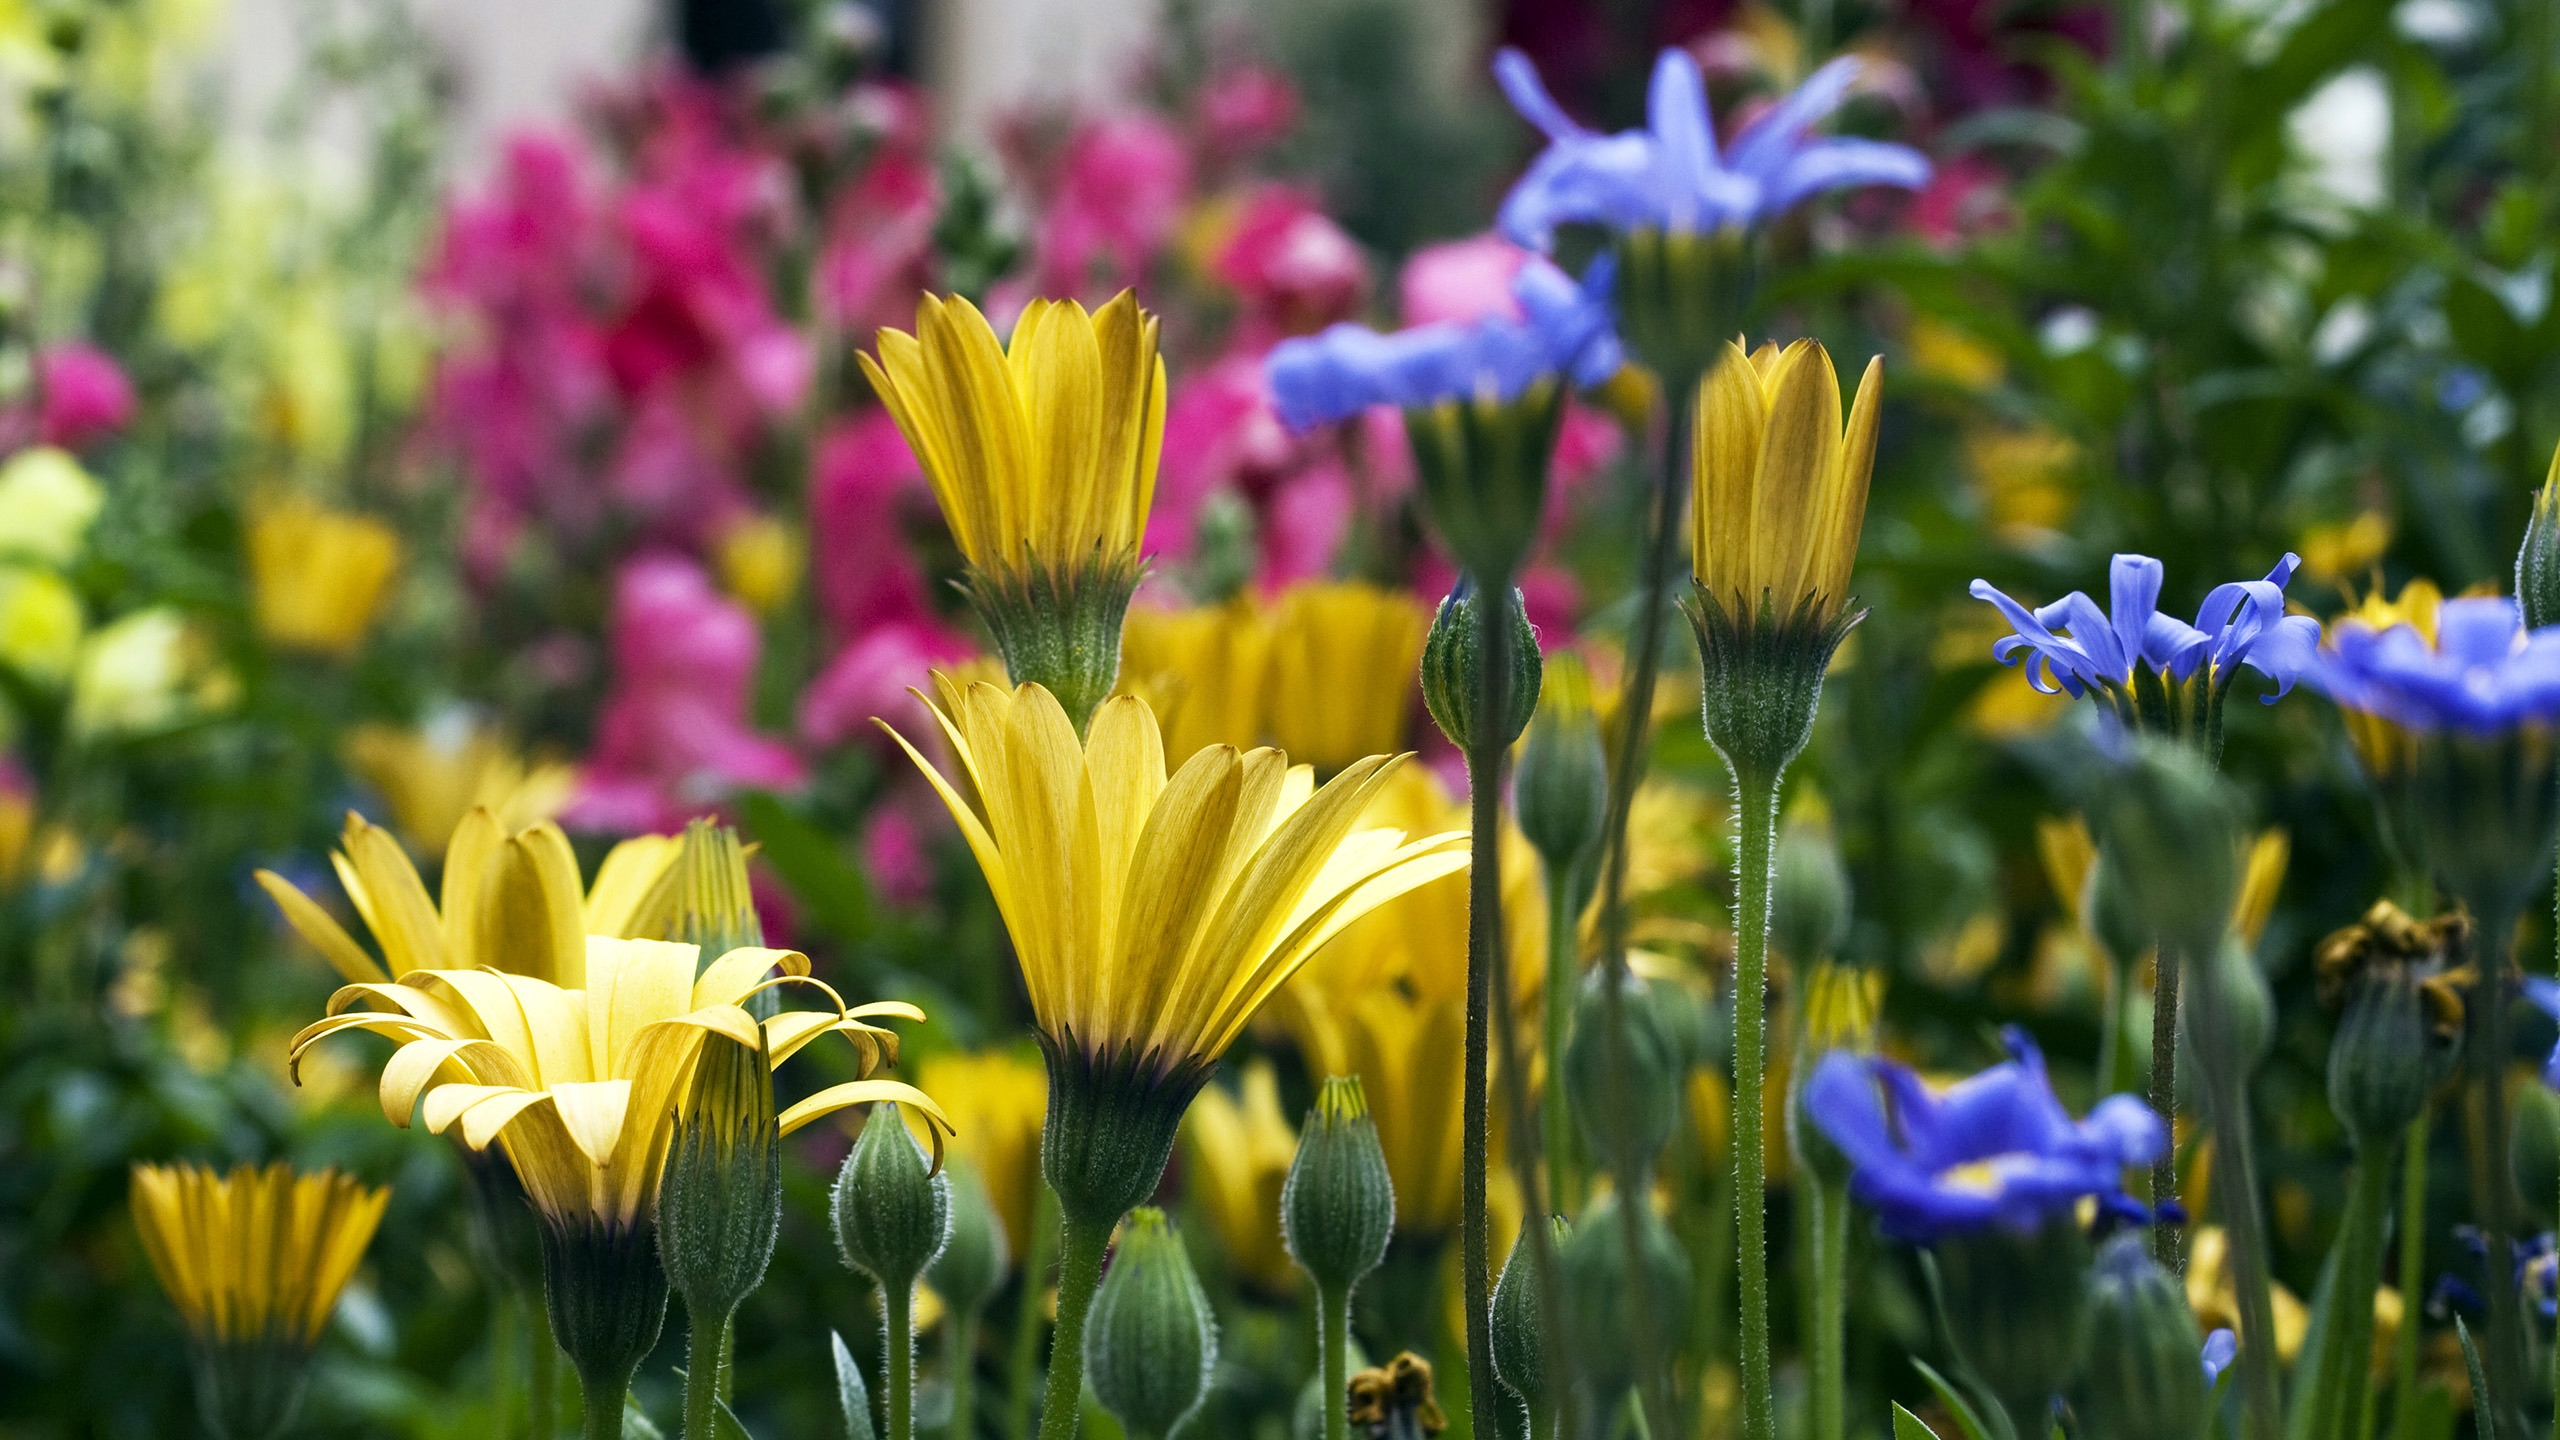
603, 1396
2226, 1105
1082, 1246
897, 1313
962, 1361
2337, 1384
1830, 1379
2488, 1053
2166, 1242
2413, 1274
702, 1373
1756, 817
2111, 1024
1562, 973
542, 1368
1484, 908
1026, 1319
1333, 1328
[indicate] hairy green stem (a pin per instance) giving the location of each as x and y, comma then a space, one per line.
1484, 900
1081, 1248
2338, 1379
603, 1397
1333, 1332
1562, 974
2413, 1276
1026, 1316
898, 1337
2226, 1105
2166, 1242
961, 1358
1756, 821
542, 1387
2493, 1197
1829, 1382
703, 1347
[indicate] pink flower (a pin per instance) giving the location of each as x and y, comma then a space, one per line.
1295, 270
869, 678
879, 243
1120, 191
1219, 433
1303, 525
866, 486
673, 739
1967, 198
1244, 109
83, 394
1461, 281
895, 855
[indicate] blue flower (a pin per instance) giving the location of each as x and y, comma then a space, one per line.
1669, 174
1996, 1148
2073, 647
2545, 994
1564, 328
2484, 673
2220, 1349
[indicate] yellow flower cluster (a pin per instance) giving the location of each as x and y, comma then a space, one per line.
255, 1256
1327, 672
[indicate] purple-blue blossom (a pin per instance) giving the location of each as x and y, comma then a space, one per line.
2220, 1349
1670, 174
1564, 328
2073, 647
1996, 1148
2545, 994
2484, 674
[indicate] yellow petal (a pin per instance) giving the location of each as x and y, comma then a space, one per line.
592, 1112
733, 976
1799, 468
468, 859
632, 984
865, 1092
323, 932
629, 884
1732, 414
531, 918
403, 919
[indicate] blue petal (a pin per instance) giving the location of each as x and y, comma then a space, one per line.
1684, 138
2220, 1349
1841, 164
2133, 596
1518, 77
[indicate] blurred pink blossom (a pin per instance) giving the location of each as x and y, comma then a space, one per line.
1460, 281
1119, 192
1304, 521
82, 394
1244, 109
865, 484
869, 679
895, 854
1219, 433
1295, 270
674, 739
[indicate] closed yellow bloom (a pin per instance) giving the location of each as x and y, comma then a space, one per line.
2385, 746
1042, 452
1203, 670
1154, 914
996, 1099
318, 575
581, 1085
1781, 488
434, 775
1241, 1147
255, 1256
509, 902
1841, 1006
2341, 550
1345, 669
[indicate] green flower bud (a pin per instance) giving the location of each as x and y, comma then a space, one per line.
2538, 562
720, 1203
2389, 1054
975, 1259
2144, 1380
1338, 1206
1452, 661
1626, 1098
2173, 826
892, 1211
1620, 1324
2533, 1149
2112, 916
1483, 466
1809, 905
1519, 1320
1560, 783
2018, 1306
2230, 1011
1150, 1342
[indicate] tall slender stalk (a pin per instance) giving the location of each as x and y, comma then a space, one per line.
1829, 1382
961, 1359
1562, 975
1484, 895
1026, 1318
2486, 1053
897, 1313
2337, 1389
703, 1347
1333, 1342
1755, 867
2167, 1244
2226, 1106
2111, 1023
1082, 1246
2413, 1261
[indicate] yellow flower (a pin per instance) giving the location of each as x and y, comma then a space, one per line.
318, 575
1345, 667
436, 774
581, 1085
145, 672
1042, 453
2342, 550
510, 902
1203, 669
2023, 475
995, 1099
1241, 1148
1841, 1006
761, 558
2215, 1300
47, 503
2384, 746
1781, 489
256, 1256
40, 623
1940, 351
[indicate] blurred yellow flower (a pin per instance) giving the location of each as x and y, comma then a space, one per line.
436, 774
1780, 487
996, 1100
1345, 670
47, 504
2024, 476
1202, 669
761, 558
318, 575
583, 1085
510, 902
40, 624
143, 673
256, 1256
1940, 351
2342, 551
1240, 1148
2216, 1303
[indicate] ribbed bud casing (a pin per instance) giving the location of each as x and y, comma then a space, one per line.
1453, 666
2144, 1380
1483, 465
1151, 1341
1338, 1205
892, 1210
607, 1295
2388, 1055
1809, 905
1560, 782
1059, 626
2538, 559
720, 1203
1519, 1319
1618, 1324
1625, 1098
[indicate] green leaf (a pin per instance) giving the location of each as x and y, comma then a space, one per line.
852, 1395
836, 894
725, 1424
2482, 1402
1968, 1420
636, 1424
1907, 1426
